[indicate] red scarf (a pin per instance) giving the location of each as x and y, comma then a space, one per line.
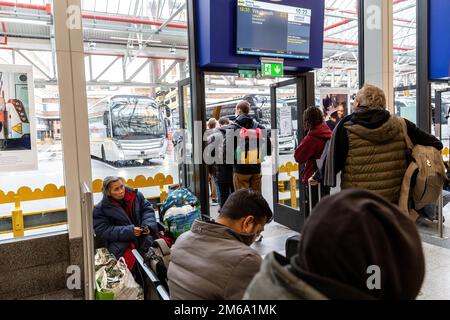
128, 202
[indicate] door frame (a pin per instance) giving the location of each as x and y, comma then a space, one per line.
180, 86
287, 216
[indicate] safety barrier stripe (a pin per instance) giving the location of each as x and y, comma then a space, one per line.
45, 219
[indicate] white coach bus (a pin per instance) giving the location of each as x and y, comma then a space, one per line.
128, 128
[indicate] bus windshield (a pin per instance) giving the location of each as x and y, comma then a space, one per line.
136, 120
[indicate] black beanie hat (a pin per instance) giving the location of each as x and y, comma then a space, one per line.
349, 232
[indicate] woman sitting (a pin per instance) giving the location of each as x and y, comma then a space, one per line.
124, 220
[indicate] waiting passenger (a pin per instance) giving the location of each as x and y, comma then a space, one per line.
311, 147
222, 172
214, 260
124, 220
247, 176
369, 148
356, 245
340, 111
333, 121
211, 126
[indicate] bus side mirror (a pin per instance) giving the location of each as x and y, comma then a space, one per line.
260, 114
168, 111
106, 118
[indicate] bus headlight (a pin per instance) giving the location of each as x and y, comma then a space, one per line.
118, 144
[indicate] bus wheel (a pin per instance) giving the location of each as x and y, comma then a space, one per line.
103, 154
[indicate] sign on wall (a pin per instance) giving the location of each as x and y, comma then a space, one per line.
332, 101
17, 119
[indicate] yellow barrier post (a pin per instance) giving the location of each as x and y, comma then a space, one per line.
163, 195
17, 219
293, 192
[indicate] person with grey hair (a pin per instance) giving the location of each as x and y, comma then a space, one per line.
369, 149
124, 220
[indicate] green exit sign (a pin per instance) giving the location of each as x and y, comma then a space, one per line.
272, 69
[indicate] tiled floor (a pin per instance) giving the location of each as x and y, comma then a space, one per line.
437, 277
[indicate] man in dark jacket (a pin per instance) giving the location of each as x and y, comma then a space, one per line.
222, 172
246, 176
369, 148
355, 246
214, 261
124, 220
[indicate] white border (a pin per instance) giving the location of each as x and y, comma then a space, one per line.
29, 158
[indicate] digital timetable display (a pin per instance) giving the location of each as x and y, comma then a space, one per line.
273, 30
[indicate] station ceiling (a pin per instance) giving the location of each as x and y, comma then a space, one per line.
158, 29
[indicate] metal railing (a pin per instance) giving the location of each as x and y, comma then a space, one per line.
19, 222
164, 295
88, 241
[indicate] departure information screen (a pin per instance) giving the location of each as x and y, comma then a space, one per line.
273, 30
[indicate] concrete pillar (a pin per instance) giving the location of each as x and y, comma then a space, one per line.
74, 118
378, 46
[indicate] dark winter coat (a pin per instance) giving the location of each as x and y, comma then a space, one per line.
311, 148
247, 122
115, 228
220, 169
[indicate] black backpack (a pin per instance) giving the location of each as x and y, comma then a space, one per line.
157, 259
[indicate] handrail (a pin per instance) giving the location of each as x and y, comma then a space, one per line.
153, 278
88, 241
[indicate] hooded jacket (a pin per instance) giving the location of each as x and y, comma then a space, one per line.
355, 245
247, 122
211, 262
115, 228
311, 148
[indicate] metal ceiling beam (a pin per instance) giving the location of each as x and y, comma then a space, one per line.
41, 82
176, 13
138, 70
166, 73
33, 64
107, 68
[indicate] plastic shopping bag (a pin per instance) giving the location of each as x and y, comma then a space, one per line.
117, 283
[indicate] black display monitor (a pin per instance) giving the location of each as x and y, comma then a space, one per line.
273, 30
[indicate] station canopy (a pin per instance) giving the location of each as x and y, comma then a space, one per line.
150, 38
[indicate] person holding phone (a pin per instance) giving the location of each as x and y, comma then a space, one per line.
124, 220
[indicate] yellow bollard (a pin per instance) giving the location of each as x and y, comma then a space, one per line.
17, 219
163, 194
293, 192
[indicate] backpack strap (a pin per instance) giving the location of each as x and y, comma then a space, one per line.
162, 245
406, 185
408, 141
412, 167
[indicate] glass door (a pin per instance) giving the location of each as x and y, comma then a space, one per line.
288, 191
183, 139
